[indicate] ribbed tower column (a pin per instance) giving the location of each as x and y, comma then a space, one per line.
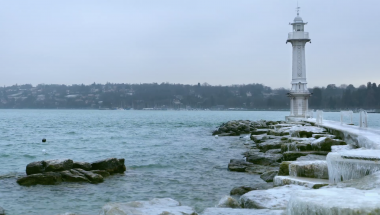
299, 94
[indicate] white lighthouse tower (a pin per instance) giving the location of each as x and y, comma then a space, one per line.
299, 94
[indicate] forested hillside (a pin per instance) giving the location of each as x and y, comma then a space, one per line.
179, 96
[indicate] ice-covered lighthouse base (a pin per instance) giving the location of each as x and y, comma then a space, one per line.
333, 201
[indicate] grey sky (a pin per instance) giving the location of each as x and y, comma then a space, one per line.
182, 41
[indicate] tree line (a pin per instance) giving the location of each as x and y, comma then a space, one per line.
179, 96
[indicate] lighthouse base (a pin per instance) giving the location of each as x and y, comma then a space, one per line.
299, 104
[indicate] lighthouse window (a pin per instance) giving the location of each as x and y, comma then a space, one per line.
298, 27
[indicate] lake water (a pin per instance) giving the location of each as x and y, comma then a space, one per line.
167, 154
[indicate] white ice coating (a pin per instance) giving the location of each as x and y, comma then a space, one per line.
231, 211
341, 148
153, 207
353, 135
342, 169
275, 198
334, 201
300, 181
361, 154
311, 157
308, 129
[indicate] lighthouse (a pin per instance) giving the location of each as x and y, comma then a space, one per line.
299, 94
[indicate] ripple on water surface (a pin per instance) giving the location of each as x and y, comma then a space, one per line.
167, 153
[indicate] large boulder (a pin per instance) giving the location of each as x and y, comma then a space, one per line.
58, 165
163, 206
238, 165
82, 165
93, 177
47, 178
103, 173
270, 144
73, 176
294, 155
284, 168
264, 159
35, 167
111, 165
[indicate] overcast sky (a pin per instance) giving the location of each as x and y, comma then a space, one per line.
182, 41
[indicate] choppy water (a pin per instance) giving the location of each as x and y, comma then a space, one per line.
167, 154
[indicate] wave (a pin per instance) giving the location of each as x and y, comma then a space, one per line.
149, 166
207, 149
29, 156
10, 175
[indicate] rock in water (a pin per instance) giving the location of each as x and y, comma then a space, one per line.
2, 212
48, 178
36, 167
93, 177
111, 165
103, 173
58, 165
82, 165
268, 176
228, 202
73, 176
164, 206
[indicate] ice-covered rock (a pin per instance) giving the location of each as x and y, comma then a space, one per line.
351, 164
311, 157
162, 206
294, 155
341, 148
273, 151
230, 211
275, 198
353, 135
325, 143
284, 168
313, 183
259, 138
259, 131
310, 169
347, 201
228, 202
270, 144
368, 182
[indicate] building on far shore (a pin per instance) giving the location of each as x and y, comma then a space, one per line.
299, 94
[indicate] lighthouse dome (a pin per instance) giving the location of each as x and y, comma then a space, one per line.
298, 19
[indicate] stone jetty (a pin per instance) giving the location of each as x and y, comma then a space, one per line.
325, 168
52, 172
